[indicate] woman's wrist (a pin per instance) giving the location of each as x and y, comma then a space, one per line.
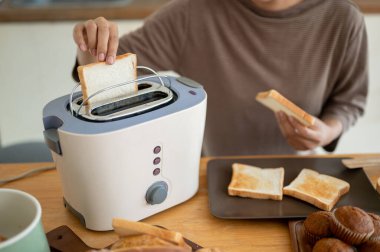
335, 129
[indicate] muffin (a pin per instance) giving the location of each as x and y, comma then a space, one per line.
376, 224
332, 245
370, 246
2, 238
352, 225
317, 226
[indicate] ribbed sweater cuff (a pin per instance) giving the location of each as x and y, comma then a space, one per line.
345, 125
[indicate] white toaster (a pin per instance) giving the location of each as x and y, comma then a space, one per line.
129, 158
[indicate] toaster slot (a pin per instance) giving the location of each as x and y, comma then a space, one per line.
150, 96
129, 103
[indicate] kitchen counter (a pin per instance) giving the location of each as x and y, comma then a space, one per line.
192, 218
369, 6
138, 9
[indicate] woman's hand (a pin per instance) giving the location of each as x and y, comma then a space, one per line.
97, 40
301, 137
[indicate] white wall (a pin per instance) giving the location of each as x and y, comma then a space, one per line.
364, 137
35, 67
36, 63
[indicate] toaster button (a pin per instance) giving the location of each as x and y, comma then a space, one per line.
157, 150
156, 161
156, 171
157, 193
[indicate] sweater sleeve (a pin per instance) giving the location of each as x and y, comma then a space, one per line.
348, 99
158, 43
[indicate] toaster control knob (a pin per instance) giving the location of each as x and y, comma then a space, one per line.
157, 193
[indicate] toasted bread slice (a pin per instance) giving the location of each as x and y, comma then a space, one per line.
151, 249
209, 250
145, 248
322, 191
276, 102
254, 182
127, 228
378, 185
97, 76
141, 240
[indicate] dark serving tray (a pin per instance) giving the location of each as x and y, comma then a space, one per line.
219, 172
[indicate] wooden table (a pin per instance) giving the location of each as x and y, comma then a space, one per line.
192, 218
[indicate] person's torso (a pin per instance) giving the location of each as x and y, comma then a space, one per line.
236, 53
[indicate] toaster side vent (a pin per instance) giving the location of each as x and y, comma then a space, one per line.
128, 103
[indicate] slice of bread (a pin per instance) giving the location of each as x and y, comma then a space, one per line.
276, 102
96, 76
254, 182
378, 185
322, 191
125, 227
145, 248
142, 237
141, 241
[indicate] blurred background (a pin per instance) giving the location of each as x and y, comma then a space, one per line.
38, 54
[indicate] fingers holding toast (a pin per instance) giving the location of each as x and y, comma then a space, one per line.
98, 37
276, 102
301, 130
296, 134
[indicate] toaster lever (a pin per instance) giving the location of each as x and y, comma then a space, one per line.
52, 140
188, 82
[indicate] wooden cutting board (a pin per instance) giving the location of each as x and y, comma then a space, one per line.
63, 239
297, 237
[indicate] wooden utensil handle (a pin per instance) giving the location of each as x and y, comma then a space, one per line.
361, 162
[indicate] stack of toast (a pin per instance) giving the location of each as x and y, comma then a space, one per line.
142, 237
